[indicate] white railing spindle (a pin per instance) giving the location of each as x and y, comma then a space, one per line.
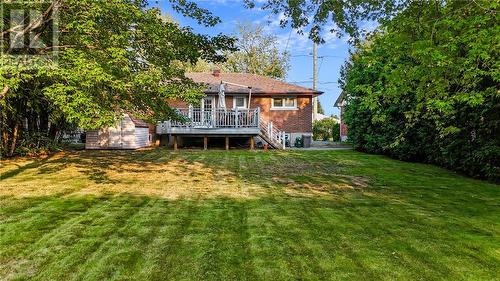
216, 118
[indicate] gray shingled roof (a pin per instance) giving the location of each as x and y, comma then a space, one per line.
139, 123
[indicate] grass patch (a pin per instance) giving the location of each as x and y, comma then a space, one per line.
216, 215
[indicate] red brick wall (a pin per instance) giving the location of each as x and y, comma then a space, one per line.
343, 125
290, 121
178, 103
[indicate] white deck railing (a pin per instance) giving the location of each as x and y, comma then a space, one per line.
273, 134
216, 118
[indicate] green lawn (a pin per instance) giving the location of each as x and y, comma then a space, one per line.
216, 215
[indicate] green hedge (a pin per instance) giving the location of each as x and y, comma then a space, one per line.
326, 129
424, 88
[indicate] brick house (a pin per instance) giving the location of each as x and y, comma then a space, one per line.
257, 107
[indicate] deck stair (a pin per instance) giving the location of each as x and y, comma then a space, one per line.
223, 122
272, 135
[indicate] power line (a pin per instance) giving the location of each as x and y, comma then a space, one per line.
320, 64
295, 56
310, 81
319, 57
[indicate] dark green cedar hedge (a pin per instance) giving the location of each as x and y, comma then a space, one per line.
424, 87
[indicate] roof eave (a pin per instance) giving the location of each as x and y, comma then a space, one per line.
340, 99
316, 93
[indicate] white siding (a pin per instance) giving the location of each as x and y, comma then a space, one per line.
142, 137
92, 139
97, 139
123, 136
114, 137
128, 133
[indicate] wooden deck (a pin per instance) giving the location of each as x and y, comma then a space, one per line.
222, 123
216, 122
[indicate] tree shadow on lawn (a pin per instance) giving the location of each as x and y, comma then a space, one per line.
195, 171
370, 181
234, 215
308, 173
149, 238
36, 163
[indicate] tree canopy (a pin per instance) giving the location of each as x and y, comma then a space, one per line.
257, 53
335, 16
425, 87
112, 57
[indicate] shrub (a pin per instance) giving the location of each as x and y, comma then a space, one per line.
37, 144
426, 88
326, 129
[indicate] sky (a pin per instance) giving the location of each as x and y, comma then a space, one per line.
331, 54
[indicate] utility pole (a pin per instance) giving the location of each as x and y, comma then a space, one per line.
315, 81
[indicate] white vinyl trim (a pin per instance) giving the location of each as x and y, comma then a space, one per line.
245, 102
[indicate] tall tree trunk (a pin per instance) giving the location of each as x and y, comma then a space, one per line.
13, 143
31, 122
4, 92
5, 137
53, 130
44, 122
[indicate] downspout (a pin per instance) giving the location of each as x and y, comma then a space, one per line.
249, 97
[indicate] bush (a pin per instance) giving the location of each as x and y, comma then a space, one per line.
36, 144
326, 129
426, 89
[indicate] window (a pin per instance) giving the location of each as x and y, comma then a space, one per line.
239, 102
284, 103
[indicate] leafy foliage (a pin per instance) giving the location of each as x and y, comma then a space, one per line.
425, 87
114, 56
335, 16
326, 129
257, 53
320, 108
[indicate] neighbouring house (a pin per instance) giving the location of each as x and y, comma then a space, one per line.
242, 105
341, 103
130, 133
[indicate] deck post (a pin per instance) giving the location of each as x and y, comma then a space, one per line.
227, 143
257, 121
252, 144
236, 117
175, 142
205, 143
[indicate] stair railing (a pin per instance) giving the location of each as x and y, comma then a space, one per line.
273, 134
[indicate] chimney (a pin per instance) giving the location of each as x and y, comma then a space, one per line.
216, 72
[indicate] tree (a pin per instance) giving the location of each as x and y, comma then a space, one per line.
113, 56
326, 129
320, 108
425, 88
257, 53
339, 16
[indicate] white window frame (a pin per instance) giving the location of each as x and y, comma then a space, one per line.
245, 102
284, 107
